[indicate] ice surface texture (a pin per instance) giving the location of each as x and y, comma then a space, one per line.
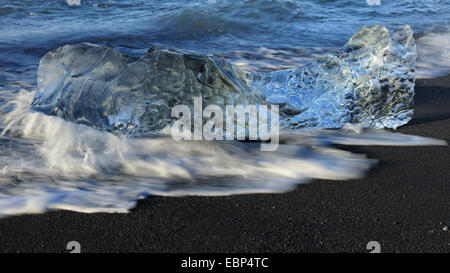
368, 81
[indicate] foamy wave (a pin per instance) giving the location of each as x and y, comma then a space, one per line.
433, 55
49, 163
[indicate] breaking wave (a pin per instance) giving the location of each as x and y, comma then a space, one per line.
49, 163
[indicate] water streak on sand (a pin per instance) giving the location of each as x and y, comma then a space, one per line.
49, 163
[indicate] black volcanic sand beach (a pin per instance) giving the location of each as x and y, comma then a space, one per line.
403, 203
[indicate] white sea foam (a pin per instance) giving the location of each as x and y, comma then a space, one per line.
48, 163
433, 55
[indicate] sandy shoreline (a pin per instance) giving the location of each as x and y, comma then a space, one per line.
402, 203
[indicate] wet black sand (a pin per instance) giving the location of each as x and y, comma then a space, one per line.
403, 204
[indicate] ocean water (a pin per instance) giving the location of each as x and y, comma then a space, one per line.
48, 163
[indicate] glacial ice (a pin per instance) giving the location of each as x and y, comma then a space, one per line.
369, 81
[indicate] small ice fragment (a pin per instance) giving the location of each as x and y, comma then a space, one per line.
73, 2
373, 2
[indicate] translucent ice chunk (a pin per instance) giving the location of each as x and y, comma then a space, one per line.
369, 81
